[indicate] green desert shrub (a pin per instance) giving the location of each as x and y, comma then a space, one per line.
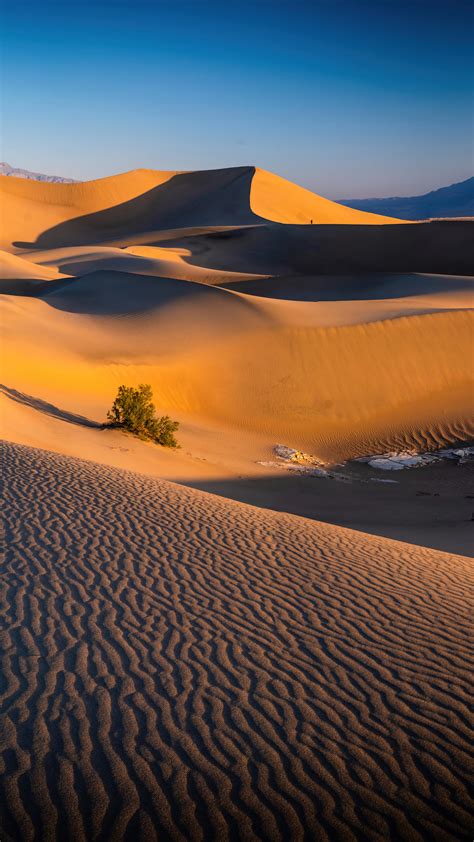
134, 410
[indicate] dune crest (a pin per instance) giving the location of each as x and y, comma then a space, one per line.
235, 196
278, 200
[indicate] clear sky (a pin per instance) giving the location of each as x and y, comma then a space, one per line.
349, 98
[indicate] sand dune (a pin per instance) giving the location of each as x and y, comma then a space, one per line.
430, 247
167, 262
180, 667
260, 224
24, 277
275, 368
71, 214
228, 256
264, 331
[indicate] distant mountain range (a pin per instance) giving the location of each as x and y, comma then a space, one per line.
6, 169
455, 200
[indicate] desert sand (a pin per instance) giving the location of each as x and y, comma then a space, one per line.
183, 665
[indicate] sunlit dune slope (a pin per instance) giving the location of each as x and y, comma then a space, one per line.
48, 215
162, 261
247, 363
19, 276
276, 199
178, 666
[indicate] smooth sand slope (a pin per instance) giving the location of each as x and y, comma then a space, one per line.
23, 277
285, 370
181, 667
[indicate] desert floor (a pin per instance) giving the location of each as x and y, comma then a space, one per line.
208, 643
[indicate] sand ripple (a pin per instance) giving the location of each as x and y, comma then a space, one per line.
178, 666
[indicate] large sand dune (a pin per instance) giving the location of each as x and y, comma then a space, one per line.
181, 667
270, 216
142, 200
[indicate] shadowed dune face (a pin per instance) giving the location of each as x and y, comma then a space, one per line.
375, 286
268, 219
57, 215
432, 247
179, 667
184, 199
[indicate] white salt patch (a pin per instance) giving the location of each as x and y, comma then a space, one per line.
386, 464
409, 459
308, 470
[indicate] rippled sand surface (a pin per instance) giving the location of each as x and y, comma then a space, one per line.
180, 666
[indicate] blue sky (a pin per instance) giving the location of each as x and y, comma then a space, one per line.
346, 97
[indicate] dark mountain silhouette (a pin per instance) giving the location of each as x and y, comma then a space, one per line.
452, 201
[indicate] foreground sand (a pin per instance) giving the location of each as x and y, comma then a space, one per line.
178, 666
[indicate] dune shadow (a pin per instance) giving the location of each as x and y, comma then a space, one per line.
221, 199
430, 507
49, 408
112, 293
358, 287
272, 248
207, 198
31, 287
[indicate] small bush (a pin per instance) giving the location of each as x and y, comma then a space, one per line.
134, 410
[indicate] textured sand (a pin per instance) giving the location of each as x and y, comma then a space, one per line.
177, 666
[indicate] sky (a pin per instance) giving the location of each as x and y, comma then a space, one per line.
349, 98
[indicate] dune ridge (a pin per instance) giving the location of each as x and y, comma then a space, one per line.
189, 670
246, 193
50, 214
